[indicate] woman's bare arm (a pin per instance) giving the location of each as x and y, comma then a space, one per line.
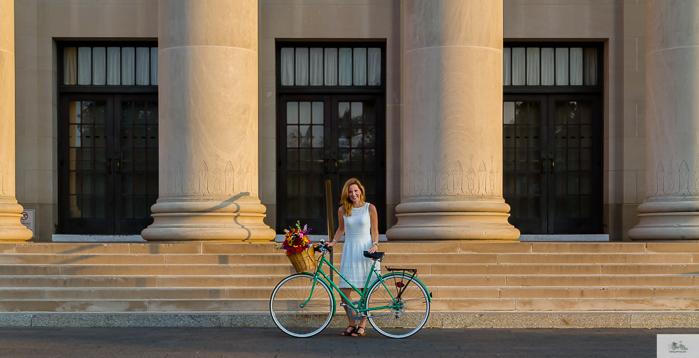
340, 226
374, 228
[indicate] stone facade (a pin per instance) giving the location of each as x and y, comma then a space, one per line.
620, 25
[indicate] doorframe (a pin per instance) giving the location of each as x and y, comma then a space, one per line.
548, 197
114, 219
330, 151
322, 91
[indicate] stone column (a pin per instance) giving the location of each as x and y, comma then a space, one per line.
10, 211
452, 122
671, 207
208, 82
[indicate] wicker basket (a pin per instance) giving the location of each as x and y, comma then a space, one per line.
304, 261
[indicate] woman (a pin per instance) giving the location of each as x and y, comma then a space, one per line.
359, 223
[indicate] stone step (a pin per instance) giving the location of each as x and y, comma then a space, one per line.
497, 247
603, 280
438, 305
221, 247
286, 269
442, 292
565, 269
391, 259
458, 281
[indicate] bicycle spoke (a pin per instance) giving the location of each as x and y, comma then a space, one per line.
405, 302
286, 306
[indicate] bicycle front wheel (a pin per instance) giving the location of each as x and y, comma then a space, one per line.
400, 305
299, 308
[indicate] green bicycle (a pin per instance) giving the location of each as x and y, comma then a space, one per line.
396, 304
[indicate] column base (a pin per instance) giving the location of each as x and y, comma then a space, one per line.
455, 220
208, 219
673, 218
11, 229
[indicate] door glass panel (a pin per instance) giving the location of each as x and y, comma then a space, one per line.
573, 172
136, 166
87, 172
522, 162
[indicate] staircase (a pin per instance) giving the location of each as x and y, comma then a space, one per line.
464, 276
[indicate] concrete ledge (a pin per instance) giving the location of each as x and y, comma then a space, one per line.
437, 320
564, 238
96, 238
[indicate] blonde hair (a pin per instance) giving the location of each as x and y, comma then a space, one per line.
344, 198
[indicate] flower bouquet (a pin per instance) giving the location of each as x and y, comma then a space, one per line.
299, 249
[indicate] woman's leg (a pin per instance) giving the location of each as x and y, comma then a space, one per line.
348, 292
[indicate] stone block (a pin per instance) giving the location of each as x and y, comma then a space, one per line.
664, 320
659, 269
69, 248
121, 270
657, 292
22, 293
629, 190
645, 304
208, 305
222, 281
14, 319
439, 269
7, 248
462, 258
473, 304
536, 292
494, 247
166, 248
463, 280
422, 247
71, 306
237, 248
442, 292
225, 259
601, 281
29, 270
573, 258
607, 247
52, 259
686, 246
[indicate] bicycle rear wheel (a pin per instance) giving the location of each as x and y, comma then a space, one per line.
287, 312
408, 305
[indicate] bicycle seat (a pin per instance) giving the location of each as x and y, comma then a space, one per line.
374, 256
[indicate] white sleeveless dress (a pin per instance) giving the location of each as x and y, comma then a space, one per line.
354, 266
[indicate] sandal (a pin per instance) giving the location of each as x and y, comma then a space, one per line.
357, 334
348, 331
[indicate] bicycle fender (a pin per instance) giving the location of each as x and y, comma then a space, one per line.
429, 294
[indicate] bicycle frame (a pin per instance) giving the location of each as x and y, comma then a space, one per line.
363, 294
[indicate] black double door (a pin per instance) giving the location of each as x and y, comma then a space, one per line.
321, 137
108, 163
552, 163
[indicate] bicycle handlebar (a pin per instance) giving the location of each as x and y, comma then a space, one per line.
322, 247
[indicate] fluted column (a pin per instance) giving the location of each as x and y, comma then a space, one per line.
671, 207
452, 122
10, 211
208, 82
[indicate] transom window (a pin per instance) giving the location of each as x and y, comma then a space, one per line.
330, 66
111, 66
550, 66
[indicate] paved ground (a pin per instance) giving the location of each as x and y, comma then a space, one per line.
268, 342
